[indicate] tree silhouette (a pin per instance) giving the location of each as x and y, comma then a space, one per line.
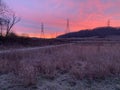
7, 19
11, 21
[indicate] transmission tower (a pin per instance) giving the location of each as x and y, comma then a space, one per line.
108, 23
56, 34
42, 31
67, 26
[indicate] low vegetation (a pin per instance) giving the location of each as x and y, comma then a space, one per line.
78, 60
13, 42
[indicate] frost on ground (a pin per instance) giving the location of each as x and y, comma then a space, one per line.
62, 82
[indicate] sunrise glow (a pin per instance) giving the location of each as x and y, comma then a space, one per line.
83, 14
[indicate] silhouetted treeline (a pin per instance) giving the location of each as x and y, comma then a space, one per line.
14, 40
99, 32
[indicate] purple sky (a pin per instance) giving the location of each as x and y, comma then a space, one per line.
53, 13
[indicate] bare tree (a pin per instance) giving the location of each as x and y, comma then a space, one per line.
2, 7
2, 25
11, 21
7, 19
3, 13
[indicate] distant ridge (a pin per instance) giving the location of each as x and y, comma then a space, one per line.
99, 32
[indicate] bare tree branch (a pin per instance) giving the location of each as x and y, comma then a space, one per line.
7, 18
11, 22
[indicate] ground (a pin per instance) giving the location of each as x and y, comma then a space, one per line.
75, 66
62, 82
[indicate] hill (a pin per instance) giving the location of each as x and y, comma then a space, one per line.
99, 32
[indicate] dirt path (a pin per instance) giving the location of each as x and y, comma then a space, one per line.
33, 48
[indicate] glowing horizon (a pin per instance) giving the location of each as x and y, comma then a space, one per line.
83, 14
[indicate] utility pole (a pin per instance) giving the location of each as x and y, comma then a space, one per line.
67, 26
42, 31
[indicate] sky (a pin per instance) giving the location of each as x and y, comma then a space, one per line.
82, 14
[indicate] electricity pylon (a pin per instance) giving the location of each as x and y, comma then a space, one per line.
42, 31
108, 23
67, 26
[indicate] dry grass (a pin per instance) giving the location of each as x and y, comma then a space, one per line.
80, 61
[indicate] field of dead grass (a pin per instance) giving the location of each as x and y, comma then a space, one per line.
80, 61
